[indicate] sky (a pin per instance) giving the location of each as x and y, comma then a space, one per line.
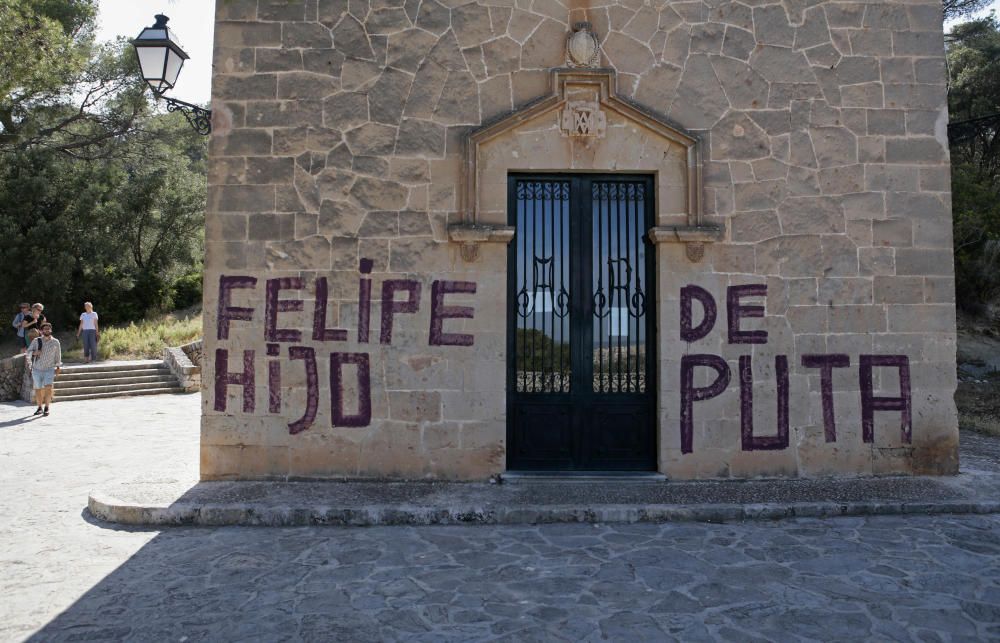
193, 21
992, 6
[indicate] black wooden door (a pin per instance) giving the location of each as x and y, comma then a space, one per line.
581, 349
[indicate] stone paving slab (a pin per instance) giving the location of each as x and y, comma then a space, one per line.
544, 500
68, 577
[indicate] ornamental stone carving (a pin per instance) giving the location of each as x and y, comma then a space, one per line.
582, 47
584, 118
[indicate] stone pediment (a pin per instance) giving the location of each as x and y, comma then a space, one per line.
582, 126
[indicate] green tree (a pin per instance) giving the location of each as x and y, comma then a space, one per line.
42, 43
974, 93
100, 198
118, 232
157, 211
58, 89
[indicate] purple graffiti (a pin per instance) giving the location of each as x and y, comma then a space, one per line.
870, 403
749, 441
364, 415
312, 387
224, 379
274, 386
440, 312
826, 363
364, 302
390, 306
689, 293
273, 306
227, 312
320, 332
736, 311
691, 394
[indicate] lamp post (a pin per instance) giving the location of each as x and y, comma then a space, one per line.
160, 60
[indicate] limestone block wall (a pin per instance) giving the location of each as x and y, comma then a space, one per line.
345, 336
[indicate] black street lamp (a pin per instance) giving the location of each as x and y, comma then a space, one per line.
160, 60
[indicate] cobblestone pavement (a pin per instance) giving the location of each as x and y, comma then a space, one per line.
67, 577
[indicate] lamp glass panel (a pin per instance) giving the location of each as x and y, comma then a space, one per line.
174, 64
151, 62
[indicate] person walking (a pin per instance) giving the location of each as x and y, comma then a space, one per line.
25, 310
88, 327
46, 363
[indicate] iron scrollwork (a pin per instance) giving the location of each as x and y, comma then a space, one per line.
198, 118
543, 273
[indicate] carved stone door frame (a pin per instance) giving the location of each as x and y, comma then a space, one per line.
583, 120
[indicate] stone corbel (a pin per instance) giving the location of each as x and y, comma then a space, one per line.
471, 235
694, 238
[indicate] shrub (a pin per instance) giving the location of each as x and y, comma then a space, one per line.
186, 290
145, 340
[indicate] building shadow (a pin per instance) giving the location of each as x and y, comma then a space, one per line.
192, 584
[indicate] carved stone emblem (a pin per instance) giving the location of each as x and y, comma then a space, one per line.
695, 251
584, 118
582, 47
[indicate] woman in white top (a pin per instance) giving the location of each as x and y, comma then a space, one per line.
88, 326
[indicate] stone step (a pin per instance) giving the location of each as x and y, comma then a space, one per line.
111, 375
162, 378
112, 366
112, 388
93, 396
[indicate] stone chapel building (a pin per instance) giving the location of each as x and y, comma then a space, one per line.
453, 238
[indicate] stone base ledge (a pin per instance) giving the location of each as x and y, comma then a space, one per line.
685, 234
470, 235
694, 237
480, 233
446, 503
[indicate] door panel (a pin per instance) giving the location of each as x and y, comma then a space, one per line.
544, 435
580, 394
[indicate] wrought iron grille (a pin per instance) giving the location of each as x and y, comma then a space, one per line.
619, 299
542, 340
580, 282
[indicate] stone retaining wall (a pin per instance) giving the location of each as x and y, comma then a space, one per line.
188, 373
193, 351
12, 375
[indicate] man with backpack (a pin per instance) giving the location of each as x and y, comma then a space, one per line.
46, 363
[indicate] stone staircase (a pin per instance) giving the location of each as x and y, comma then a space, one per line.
115, 379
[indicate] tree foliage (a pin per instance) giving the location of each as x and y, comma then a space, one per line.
117, 232
960, 8
58, 89
974, 92
100, 198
